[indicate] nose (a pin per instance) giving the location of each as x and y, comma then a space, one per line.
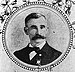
38, 31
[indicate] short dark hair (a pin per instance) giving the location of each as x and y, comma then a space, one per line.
32, 16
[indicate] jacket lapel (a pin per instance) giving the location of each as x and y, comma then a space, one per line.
48, 55
48, 50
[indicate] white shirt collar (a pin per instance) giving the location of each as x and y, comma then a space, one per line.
40, 46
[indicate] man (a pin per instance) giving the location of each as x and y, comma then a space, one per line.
37, 52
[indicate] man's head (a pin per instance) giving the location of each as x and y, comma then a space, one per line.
36, 27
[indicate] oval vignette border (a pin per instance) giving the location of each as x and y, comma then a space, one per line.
33, 68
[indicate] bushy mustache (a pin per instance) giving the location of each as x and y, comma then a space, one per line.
37, 36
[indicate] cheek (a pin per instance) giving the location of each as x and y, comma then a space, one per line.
33, 31
44, 32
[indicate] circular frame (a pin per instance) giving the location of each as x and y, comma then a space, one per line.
36, 67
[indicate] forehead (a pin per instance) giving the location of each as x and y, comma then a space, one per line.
38, 21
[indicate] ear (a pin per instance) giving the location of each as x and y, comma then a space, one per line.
26, 30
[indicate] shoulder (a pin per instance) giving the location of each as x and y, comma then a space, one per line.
56, 52
51, 51
21, 52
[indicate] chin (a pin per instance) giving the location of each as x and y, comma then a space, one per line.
39, 40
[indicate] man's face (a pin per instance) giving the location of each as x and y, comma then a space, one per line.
37, 29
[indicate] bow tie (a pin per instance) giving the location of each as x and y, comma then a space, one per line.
39, 56
36, 49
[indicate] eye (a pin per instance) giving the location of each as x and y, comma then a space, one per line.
42, 26
34, 27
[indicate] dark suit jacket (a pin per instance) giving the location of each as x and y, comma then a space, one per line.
50, 54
